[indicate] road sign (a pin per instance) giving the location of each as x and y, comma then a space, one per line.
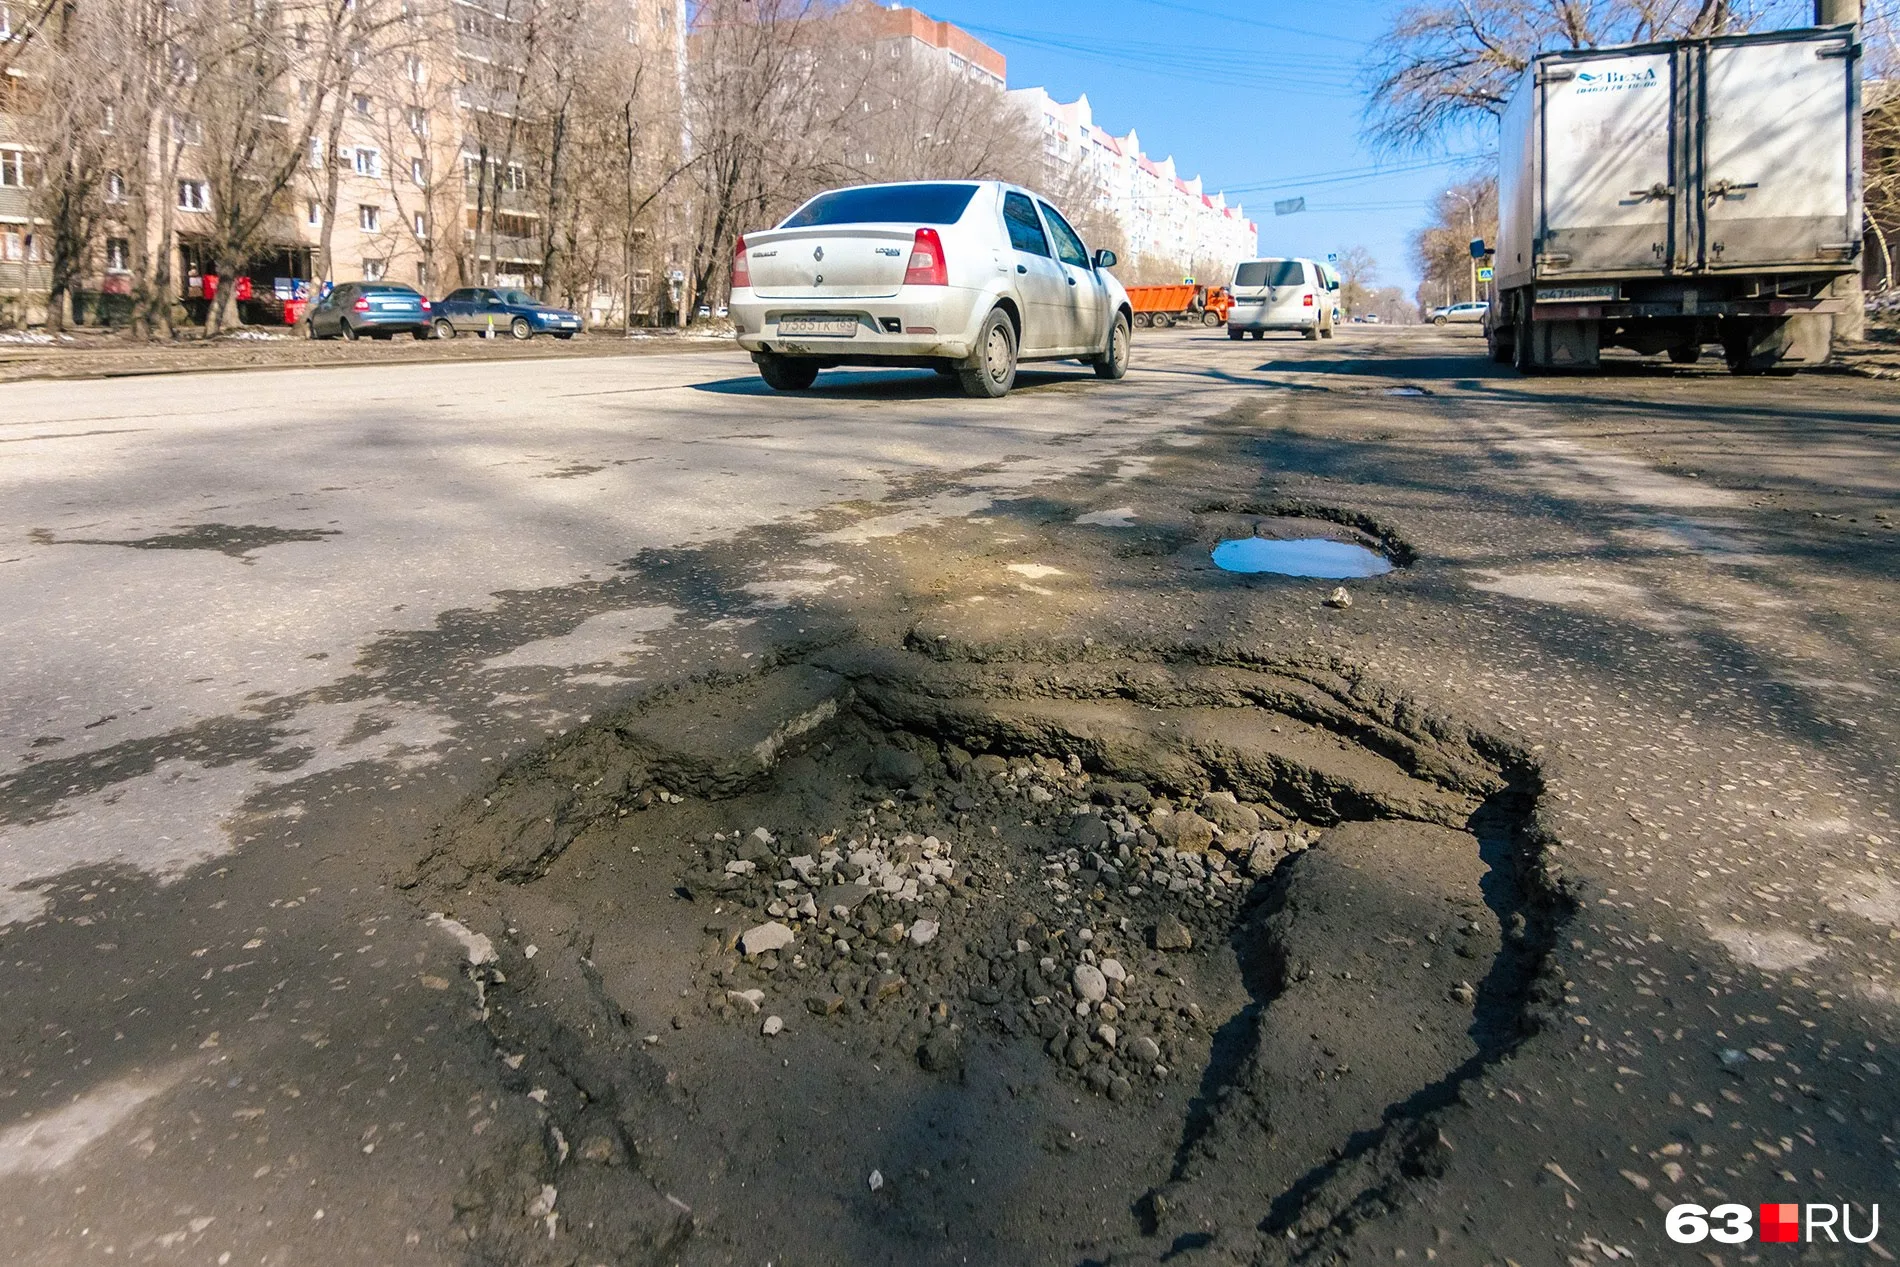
1289, 206
1486, 274
1333, 258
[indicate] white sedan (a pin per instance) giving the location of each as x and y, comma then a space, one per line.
968, 278
1453, 313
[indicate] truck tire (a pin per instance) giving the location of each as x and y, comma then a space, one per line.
1210, 319
994, 370
785, 373
1500, 344
1685, 354
1163, 320
1143, 321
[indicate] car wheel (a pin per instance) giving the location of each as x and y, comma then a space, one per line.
348, 331
995, 370
787, 374
1312, 335
310, 330
1326, 333
1259, 334
1113, 362
1439, 321
443, 328
1236, 335
520, 328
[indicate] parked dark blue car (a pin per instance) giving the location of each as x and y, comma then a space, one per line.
378, 309
482, 310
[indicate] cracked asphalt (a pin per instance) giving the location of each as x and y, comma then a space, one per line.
264, 632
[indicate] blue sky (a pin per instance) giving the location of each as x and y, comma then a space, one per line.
1261, 97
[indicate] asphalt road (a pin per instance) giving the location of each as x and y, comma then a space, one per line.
263, 630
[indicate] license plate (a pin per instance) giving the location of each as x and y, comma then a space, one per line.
1561, 294
831, 327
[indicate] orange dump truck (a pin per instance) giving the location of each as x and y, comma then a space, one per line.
1169, 305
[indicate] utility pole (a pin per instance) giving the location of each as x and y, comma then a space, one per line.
1471, 215
1852, 323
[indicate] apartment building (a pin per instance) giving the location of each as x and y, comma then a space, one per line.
897, 33
426, 151
1162, 215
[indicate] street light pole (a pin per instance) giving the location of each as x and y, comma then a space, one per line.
1471, 215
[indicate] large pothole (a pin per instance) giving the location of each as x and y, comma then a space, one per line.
880, 957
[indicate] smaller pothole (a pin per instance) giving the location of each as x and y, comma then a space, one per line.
1320, 557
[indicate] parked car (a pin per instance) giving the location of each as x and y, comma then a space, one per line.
969, 278
1462, 313
484, 310
1296, 295
381, 310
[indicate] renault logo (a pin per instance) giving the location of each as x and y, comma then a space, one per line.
818, 253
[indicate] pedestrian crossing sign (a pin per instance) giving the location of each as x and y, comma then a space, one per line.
1486, 274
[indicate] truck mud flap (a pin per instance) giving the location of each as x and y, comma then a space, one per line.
1562, 345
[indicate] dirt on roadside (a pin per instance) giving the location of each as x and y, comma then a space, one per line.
100, 354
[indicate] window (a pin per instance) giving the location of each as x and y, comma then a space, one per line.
194, 195
517, 176
471, 169
1025, 230
118, 252
418, 120
412, 66
921, 204
6, 24
313, 212
1069, 248
316, 151
1270, 273
187, 130
368, 162
11, 244
300, 36
422, 225
115, 187
360, 103
110, 121
369, 219
422, 274
416, 172
373, 270
13, 169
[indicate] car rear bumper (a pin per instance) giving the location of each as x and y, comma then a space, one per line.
389, 320
1263, 317
919, 324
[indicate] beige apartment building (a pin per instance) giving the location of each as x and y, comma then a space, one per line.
432, 158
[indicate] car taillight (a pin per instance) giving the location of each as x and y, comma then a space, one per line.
425, 305
927, 266
1308, 301
741, 269
361, 305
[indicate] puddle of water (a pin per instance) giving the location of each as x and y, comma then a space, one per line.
1307, 556
1404, 391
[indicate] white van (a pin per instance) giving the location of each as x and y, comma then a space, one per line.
1283, 294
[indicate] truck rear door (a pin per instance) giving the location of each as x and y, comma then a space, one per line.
1608, 180
1777, 182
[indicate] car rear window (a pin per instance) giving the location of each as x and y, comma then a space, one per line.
1270, 273
386, 290
879, 204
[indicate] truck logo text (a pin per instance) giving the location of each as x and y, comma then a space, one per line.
1616, 80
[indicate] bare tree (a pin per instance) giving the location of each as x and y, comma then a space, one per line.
1358, 273
1444, 63
1441, 252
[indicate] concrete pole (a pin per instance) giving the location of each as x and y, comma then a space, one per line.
1851, 324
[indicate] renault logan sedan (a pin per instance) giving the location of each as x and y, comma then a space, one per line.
969, 278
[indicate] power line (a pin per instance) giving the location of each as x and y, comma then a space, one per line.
1255, 22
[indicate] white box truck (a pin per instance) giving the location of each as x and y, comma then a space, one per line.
1661, 197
